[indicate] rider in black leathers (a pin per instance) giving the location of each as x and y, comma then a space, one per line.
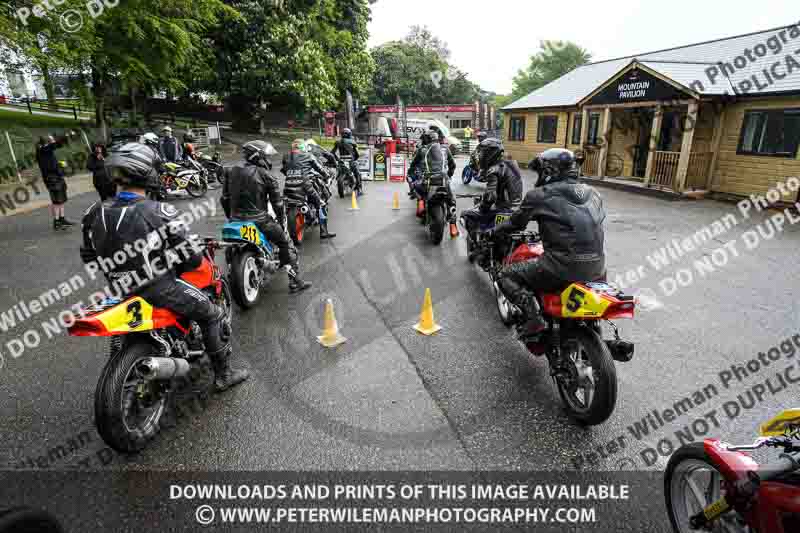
436, 166
113, 229
247, 191
570, 216
302, 171
346, 147
503, 185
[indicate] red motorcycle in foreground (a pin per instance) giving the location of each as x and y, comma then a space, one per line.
581, 362
715, 486
154, 356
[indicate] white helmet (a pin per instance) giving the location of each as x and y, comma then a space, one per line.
150, 138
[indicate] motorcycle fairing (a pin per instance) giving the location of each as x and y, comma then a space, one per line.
579, 301
201, 277
777, 427
244, 231
134, 315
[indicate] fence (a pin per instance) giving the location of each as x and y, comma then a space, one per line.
665, 168
699, 167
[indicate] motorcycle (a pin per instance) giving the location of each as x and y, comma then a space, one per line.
715, 486
345, 180
471, 172
581, 362
432, 209
152, 353
212, 165
177, 177
301, 216
252, 261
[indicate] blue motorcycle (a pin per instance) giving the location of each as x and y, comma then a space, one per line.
252, 261
471, 172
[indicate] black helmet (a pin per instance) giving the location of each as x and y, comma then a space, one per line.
133, 164
427, 138
490, 152
258, 153
347, 133
554, 165
436, 133
482, 136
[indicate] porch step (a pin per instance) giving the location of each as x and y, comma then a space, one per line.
632, 186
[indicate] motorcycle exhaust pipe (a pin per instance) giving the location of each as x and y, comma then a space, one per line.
621, 351
162, 368
304, 209
453, 210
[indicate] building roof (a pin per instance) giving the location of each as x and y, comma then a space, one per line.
684, 65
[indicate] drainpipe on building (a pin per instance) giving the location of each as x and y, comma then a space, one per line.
566, 135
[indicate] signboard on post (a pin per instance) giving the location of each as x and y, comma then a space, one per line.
379, 168
365, 163
397, 168
214, 134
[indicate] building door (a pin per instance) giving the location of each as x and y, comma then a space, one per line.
644, 120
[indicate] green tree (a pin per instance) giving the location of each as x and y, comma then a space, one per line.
416, 70
554, 59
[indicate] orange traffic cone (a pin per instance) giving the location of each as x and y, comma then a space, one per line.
330, 337
396, 201
354, 203
427, 325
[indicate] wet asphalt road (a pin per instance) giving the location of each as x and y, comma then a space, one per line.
469, 398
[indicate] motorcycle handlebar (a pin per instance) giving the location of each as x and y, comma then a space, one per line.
785, 464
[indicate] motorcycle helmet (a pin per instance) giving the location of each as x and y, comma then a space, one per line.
299, 145
347, 133
555, 164
490, 152
482, 136
167, 131
133, 164
259, 152
426, 138
437, 134
150, 139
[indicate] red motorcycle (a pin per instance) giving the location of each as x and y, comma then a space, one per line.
154, 355
714, 486
581, 362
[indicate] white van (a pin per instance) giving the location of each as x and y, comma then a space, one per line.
416, 126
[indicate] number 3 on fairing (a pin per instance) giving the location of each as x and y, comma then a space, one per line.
135, 310
575, 300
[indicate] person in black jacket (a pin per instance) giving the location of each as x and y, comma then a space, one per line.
347, 149
171, 150
97, 165
302, 170
53, 177
570, 215
247, 191
434, 164
503, 177
113, 230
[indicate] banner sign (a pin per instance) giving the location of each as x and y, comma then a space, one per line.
397, 168
365, 163
422, 109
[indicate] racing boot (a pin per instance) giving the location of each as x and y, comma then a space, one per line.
323, 231
66, 223
534, 323
57, 224
296, 283
226, 376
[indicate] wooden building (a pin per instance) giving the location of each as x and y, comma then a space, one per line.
721, 116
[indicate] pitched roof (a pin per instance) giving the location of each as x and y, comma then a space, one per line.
684, 65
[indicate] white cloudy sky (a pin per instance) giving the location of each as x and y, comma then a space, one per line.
492, 39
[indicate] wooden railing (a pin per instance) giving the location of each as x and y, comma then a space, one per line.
591, 162
699, 166
665, 168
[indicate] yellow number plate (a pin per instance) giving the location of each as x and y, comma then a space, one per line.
131, 315
499, 219
579, 302
250, 233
